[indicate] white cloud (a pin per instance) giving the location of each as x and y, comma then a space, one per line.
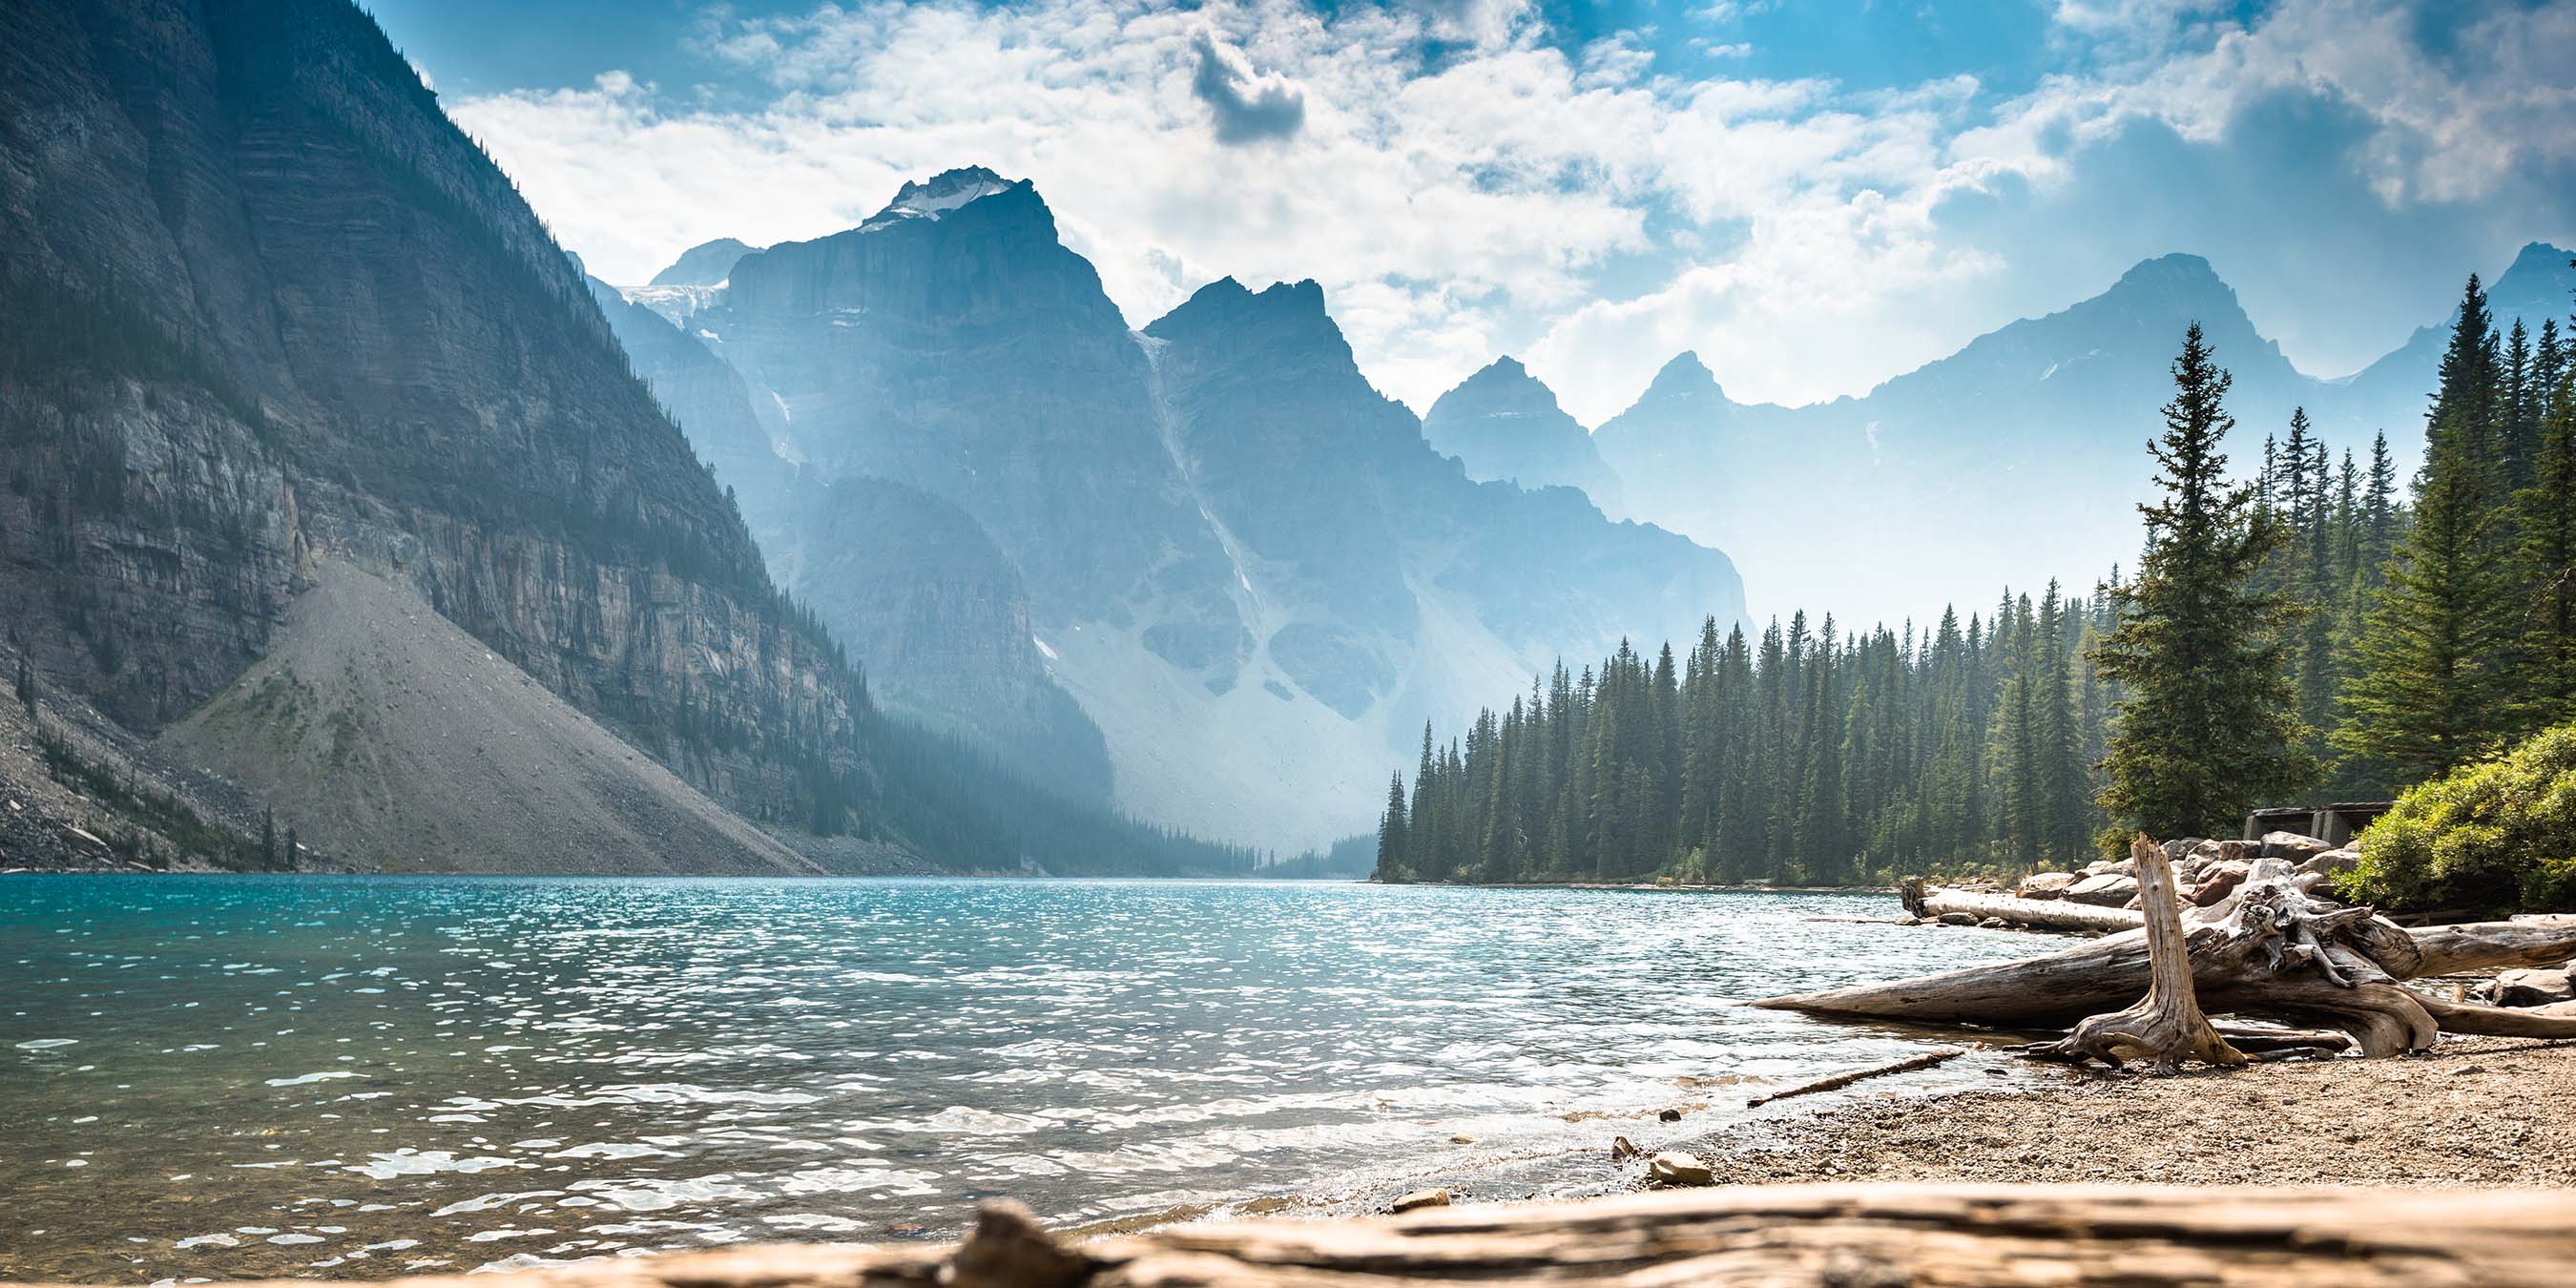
1461, 184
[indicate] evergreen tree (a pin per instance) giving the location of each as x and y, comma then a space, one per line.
1391, 839
2518, 411
2431, 683
2208, 727
2546, 558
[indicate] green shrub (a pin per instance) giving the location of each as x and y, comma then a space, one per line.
2497, 837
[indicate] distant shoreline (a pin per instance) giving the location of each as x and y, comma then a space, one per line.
1695, 887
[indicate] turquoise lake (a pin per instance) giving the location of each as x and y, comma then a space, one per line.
351, 1076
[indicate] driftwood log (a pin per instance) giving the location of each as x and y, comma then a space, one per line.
1842, 1080
1931, 902
2166, 1025
1877, 1235
2269, 951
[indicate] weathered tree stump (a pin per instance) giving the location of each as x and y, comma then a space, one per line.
2166, 1025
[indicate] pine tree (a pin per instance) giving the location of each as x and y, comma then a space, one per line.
2519, 411
2430, 689
25, 687
2546, 559
1391, 853
2208, 727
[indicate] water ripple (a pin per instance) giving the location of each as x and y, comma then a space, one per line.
241, 1077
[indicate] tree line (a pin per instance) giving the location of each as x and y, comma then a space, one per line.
2302, 629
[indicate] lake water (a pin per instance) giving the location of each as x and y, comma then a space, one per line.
238, 1076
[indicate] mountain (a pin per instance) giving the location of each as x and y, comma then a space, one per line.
271, 307
1504, 423
2018, 458
326, 470
705, 264
2397, 388
916, 587
1249, 569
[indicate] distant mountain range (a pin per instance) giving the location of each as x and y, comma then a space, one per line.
1255, 576
2018, 458
1248, 569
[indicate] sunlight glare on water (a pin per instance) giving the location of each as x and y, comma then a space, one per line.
243, 1076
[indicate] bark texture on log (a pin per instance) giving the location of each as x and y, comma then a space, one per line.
1930, 902
2166, 1025
1844, 1235
2494, 945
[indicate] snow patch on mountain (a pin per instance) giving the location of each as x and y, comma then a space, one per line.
938, 195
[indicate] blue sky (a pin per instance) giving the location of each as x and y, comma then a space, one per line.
1814, 196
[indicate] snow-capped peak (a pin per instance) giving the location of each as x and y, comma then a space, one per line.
939, 195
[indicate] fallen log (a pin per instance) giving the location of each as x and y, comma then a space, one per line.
2497, 1021
2494, 945
2166, 1025
1794, 1236
2253, 954
1930, 902
1841, 1080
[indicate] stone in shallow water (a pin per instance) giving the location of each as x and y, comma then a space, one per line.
1673, 1167
1422, 1199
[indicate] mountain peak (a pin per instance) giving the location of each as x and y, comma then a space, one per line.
2537, 284
941, 193
1227, 302
1305, 295
705, 264
2538, 258
1503, 384
1684, 375
2171, 272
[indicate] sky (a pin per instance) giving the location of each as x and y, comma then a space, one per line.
1813, 196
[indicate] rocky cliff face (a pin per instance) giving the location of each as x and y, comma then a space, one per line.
1246, 565
1504, 423
961, 350
910, 583
268, 304
916, 588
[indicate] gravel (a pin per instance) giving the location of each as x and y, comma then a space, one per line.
2471, 1112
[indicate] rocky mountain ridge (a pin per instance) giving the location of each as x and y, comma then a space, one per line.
1503, 423
1248, 567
